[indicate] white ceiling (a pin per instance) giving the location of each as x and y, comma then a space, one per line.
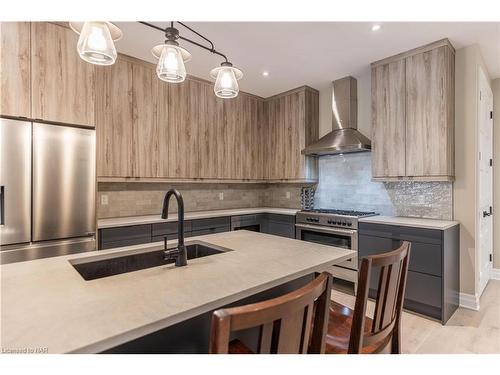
311, 53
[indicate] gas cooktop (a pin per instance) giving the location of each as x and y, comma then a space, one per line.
331, 217
340, 212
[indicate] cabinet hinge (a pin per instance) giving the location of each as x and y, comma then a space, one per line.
491, 257
491, 210
491, 162
491, 115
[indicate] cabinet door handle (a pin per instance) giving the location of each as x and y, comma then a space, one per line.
2, 205
486, 213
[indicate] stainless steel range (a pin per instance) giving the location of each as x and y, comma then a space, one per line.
335, 228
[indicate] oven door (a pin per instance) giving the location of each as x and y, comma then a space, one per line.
339, 237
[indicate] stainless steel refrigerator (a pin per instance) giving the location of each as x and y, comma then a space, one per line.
47, 180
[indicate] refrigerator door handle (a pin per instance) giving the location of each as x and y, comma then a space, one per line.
2, 205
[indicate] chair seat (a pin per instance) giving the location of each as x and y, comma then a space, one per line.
339, 331
237, 347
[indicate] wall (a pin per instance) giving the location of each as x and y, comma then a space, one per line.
345, 183
467, 62
131, 199
496, 173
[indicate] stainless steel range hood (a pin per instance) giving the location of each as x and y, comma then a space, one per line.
345, 136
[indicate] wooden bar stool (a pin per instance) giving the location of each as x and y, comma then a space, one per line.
294, 323
351, 331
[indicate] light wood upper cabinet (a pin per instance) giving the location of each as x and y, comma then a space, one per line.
292, 124
62, 83
413, 98
150, 129
162, 113
388, 119
145, 125
429, 121
15, 98
184, 113
128, 141
116, 155
208, 137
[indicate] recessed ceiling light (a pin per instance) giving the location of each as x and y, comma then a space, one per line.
376, 27
265, 73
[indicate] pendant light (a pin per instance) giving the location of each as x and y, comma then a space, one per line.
96, 42
171, 58
96, 46
226, 80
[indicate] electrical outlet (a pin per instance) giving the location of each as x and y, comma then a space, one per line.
104, 199
221, 196
287, 195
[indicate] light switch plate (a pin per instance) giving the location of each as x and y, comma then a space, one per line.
221, 196
287, 195
104, 199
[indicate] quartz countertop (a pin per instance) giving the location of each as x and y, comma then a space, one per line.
47, 304
410, 222
150, 219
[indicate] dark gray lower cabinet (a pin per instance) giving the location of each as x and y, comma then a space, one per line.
279, 225
124, 236
138, 234
433, 283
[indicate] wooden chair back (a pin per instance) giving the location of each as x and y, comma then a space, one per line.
386, 326
294, 323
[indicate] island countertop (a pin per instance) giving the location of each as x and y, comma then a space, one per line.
47, 304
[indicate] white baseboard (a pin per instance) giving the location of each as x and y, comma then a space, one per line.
469, 301
495, 274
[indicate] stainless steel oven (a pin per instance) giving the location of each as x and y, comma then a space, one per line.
334, 228
339, 237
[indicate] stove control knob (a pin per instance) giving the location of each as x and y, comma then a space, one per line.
316, 220
344, 223
349, 224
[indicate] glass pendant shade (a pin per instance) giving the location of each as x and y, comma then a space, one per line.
226, 80
171, 67
95, 44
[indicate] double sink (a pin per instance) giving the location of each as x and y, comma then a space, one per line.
100, 266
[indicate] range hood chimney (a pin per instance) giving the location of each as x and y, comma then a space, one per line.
345, 136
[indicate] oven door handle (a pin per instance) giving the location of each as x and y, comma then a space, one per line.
316, 228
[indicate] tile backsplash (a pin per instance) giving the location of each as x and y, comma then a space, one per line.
345, 183
132, 199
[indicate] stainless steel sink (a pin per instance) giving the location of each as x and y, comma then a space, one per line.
106, 265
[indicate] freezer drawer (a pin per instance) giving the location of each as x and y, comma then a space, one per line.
63, 182
15, 181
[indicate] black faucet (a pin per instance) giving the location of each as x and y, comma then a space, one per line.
178, 253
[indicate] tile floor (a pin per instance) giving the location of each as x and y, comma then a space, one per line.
467, 331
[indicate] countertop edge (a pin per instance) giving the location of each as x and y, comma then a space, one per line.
193, 215
407, 222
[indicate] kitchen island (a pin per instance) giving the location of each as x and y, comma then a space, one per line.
46, 303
